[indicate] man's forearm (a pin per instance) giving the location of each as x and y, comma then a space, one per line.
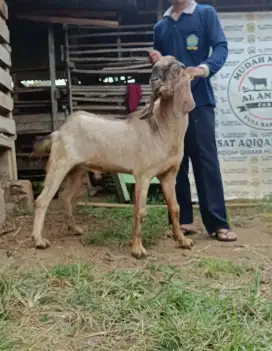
217, 60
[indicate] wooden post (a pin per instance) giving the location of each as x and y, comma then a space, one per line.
69, 79
52, 69
119, 38
8, 165
159, 9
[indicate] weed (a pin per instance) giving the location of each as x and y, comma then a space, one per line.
157, 308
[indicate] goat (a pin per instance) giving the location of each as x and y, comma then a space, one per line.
148, 143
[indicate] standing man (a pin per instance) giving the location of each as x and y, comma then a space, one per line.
187, 32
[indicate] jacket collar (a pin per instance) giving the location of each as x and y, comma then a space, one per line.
188, 10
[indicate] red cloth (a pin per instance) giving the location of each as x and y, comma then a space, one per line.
134, 94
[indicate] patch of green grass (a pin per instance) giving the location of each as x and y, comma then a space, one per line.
119, 226
70, 270
217, 267
155, 195
157, 308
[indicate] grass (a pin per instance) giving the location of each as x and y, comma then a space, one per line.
209, 305
159, 308
119, 226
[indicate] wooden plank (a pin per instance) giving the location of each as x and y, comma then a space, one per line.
32, 118
6, 141
106, 99
130, 71
103, 65
3, 9
99, 108
36, 127
120, 27
100, 99
125, 68
7, 126
196, 206
69, 20
7, 47
4, 31
114, 50
113, 205
105, 87
5, 56
107, 95
111, 45
110, 34
5, 79
34, 102
12, 162
25, 104
30, 90
107, 59
52, 71
6, 101
68, 69
72, 12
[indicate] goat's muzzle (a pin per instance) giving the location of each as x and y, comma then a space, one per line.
164, 75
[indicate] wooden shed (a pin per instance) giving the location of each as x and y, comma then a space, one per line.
70, 55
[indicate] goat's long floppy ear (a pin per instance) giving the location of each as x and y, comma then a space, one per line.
149, 113
186, 95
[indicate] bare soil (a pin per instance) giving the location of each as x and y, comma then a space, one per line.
254, 245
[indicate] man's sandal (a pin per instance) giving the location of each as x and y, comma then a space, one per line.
225, 235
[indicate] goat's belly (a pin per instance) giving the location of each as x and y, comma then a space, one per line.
111, 162
99, 168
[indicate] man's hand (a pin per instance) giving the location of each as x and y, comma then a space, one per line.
196, 72
154, 56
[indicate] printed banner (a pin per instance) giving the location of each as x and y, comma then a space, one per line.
243, 91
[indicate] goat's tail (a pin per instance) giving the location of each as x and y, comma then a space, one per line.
42, 146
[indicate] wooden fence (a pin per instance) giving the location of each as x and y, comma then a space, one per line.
8, 168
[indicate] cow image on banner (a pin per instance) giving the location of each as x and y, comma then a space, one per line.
243, 92
250, 92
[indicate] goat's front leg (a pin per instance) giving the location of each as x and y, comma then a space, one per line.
168, 184
141, 189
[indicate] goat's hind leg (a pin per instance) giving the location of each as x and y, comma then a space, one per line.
58, 166
141, 189
168, 184
69, 189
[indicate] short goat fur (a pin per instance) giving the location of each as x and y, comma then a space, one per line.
148, 143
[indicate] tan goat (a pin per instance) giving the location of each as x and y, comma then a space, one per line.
149, 143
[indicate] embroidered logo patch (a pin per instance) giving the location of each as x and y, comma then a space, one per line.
192, 42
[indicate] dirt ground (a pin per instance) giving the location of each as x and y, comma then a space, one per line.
88, 293
254, 245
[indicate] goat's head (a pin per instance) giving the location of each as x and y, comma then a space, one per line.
168, 75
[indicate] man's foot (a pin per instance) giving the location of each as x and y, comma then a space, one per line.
187, 229
226, 235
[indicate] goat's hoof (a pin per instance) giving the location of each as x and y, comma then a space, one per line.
139, 252
42, 244
186, 243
